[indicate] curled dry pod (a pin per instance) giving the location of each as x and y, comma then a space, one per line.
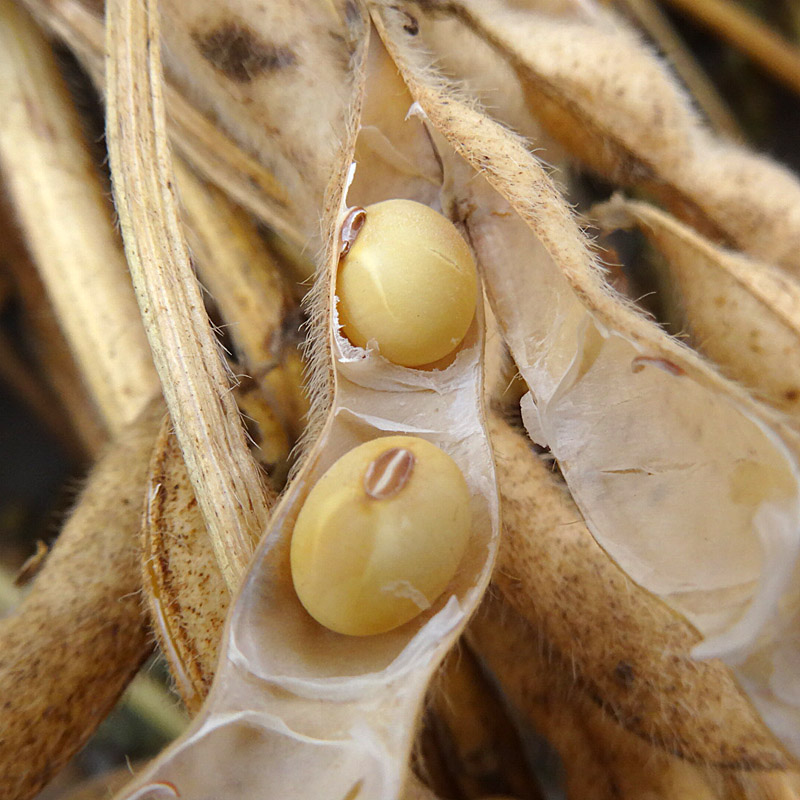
296, 709
679, 473
183, 586
609, 101
186, 594
743, 314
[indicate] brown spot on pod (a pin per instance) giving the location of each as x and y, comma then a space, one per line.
239, 54
411, 27
624, 674
640, 362
388, 473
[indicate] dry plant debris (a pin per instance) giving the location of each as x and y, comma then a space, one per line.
633, 495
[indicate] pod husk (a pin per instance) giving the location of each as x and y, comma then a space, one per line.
624, 649
76, 640
183, 585
476, 733
185, 591
652, 441
294, 706
600, 759
263, 71
743, 314
215, 155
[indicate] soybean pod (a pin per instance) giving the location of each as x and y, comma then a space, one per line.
383, 543
686, 481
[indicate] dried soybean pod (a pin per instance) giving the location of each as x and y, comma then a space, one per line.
264, 70
628, 652
76, 640
182, 584
600, 760
609, 101
476, 732
649, 437
294, 706
743, 314
240, 272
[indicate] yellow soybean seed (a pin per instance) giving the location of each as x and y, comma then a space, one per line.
380, 535
408, 281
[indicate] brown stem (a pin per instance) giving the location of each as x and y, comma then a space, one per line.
196, 387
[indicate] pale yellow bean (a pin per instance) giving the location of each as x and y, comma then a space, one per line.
380, 535
408, 282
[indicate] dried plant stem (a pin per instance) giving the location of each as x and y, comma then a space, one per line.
226, 480
78, 637
746, 32
653, 20
67, 223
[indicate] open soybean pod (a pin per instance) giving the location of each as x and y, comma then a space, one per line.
297, 709
685, 480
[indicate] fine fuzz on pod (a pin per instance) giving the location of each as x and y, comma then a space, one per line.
297, 709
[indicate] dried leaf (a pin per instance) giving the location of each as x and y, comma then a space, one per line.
242, 275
